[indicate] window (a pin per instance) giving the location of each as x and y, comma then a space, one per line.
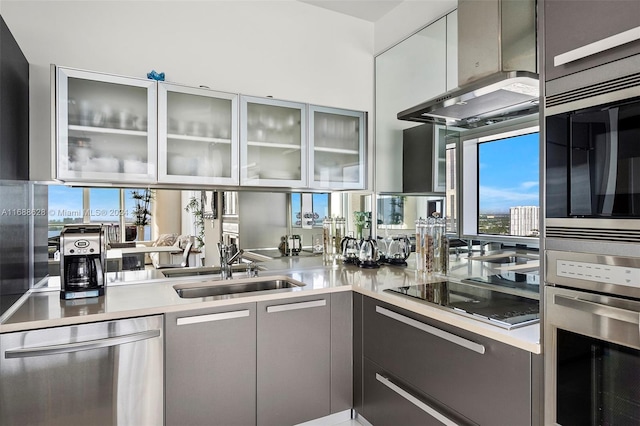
104, 205
308, 210
501, 184
92, 205
391, 210
65, 206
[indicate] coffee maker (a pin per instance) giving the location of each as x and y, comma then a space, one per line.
83, 251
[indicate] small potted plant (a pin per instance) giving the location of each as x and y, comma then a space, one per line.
142, 210
196, 208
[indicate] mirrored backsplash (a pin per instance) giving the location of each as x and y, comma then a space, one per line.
23, 238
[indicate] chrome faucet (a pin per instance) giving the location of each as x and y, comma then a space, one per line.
225, 261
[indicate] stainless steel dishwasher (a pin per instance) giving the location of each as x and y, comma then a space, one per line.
106, 373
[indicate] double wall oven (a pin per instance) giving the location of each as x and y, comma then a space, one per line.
592, 255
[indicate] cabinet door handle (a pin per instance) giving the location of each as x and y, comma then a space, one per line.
597, 46
297, 305
81, 346
415, 401
213, 317
461, 341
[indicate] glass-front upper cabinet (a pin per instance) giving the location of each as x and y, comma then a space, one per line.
197, 135
337, 148
105, 127
273, 143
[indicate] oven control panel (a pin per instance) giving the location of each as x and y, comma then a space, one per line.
611, 274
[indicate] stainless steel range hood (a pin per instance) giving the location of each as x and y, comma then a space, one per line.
497, 67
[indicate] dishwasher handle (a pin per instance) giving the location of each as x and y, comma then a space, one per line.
81, 346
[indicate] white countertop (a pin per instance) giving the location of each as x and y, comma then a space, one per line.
139, 293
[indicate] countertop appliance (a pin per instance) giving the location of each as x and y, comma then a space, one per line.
368, 256
497, 67
397, 250
350, 250
103, 373
491, 306
83, 261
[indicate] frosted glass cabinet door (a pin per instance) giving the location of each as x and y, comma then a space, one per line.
197, 135
337, 148
273, 143
105, 127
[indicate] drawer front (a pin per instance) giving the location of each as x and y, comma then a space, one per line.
595, 33
391, 401
482, 379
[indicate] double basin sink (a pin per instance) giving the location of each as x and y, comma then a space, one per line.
236, 287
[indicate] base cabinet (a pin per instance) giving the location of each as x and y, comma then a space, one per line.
391, 401
211, 366
294, 361
485, 381
279, 362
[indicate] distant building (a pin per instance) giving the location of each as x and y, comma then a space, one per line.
524, 221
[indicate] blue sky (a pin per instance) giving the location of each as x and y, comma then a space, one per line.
508, 173
104, 203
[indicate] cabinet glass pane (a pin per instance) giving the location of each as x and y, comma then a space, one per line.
336, 148
274, 142
107, 127
199, 130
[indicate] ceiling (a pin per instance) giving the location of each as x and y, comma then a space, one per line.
369, 10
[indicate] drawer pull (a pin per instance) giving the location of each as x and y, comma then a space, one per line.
212, 317
415, 401
298, 305
476, 347
597, 46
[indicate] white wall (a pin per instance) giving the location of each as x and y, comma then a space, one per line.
286, 49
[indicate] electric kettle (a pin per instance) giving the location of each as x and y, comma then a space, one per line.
369, 255
398, 250
350, 249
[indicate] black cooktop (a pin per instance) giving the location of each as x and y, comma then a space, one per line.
494, 307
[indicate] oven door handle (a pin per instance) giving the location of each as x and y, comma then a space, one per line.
598, 309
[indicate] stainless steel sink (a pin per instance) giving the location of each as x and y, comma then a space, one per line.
232, 287
206, 270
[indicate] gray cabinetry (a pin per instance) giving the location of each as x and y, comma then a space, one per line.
211, 366
294, 362
392, 401
586, 34
483, 380
14, 108
424, 158
341, 351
